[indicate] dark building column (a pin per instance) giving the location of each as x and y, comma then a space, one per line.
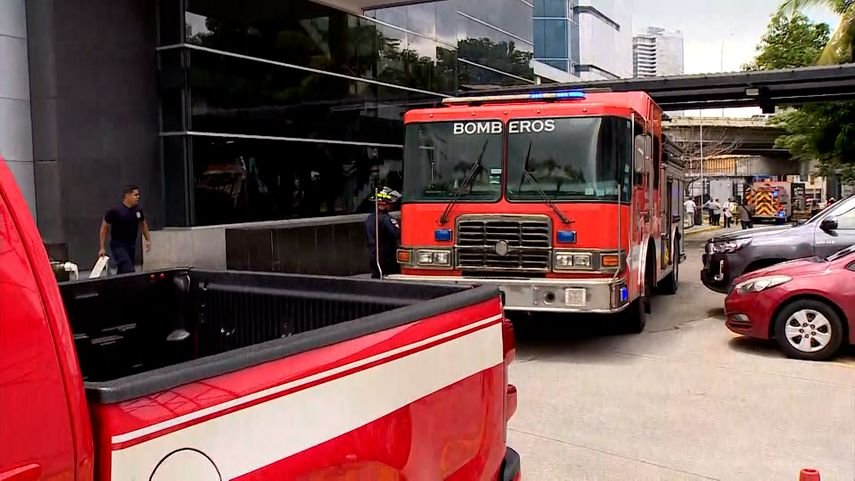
95, 114
40, 21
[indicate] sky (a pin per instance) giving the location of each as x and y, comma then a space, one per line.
716, 34
706, 24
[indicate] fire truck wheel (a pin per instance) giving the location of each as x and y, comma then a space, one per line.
637, 313
634, 318
670, 283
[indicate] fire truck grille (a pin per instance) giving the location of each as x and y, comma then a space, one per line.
505, 244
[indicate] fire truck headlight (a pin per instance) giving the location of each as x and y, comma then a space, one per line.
583, 260
563, 260
571, 260
434, 257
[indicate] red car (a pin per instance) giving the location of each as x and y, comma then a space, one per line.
807, 305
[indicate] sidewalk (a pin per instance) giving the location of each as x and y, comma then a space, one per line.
697, 229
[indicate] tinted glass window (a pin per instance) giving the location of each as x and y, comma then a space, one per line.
550, 8
308, 34
583, 158
550, 37
490, 48
240, 96
846, 220
512, 16
440, 156
238, 180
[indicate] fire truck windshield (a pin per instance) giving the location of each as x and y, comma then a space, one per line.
438, 157
574, 158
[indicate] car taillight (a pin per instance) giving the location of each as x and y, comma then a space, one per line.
509, 343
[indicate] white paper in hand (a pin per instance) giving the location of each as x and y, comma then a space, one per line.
99, 267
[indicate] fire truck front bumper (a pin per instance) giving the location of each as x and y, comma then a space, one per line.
599, 296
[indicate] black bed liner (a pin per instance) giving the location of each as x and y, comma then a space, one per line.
230, 321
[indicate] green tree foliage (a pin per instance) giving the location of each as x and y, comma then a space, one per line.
824, 132
841, 47
790, 42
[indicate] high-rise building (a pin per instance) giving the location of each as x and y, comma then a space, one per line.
657, 52
586, 39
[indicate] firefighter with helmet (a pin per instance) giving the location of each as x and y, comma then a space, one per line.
384, 235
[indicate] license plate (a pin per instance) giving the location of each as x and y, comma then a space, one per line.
575, 297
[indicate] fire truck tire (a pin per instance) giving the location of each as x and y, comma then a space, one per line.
670, 283
634, 318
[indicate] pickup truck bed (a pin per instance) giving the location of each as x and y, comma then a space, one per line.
142, 333
196, 375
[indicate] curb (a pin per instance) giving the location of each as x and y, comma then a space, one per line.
702, 229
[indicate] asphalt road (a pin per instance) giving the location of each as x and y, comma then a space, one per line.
685, 400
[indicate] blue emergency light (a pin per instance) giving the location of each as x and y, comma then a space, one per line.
624, 294
569, 94
442, 235
567, 237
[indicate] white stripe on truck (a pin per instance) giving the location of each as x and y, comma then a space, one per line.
248, 439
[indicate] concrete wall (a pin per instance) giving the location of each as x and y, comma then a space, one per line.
93, 77
209, 247
601, 44
16, 138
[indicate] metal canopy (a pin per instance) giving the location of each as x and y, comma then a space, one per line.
765, 89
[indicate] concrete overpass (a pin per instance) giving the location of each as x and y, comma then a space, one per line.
765, 89
748, 136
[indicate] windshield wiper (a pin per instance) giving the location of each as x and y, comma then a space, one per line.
540, 191
470, 176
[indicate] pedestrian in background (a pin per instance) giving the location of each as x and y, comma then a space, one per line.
715, 209
123, 224
745, 215
690, 207
728, 216
708, 208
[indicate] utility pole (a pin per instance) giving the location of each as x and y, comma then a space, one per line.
703, 188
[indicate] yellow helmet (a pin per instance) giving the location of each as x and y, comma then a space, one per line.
388, 195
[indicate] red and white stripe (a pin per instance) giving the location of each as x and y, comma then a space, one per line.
263, 428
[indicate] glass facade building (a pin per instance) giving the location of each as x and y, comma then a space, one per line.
556, 33
282, 110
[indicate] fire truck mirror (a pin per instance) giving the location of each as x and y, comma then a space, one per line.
641, 153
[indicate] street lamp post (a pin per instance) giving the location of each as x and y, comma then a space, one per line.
721, 60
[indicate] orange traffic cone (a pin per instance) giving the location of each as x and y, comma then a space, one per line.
809, 475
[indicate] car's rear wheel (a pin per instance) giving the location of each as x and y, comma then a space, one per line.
809, 329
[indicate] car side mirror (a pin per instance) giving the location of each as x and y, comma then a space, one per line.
828, 224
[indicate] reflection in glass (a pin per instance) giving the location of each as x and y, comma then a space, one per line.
440, 156
550, 8
581, 158
238, 180
512, 16
232, 95
550, 38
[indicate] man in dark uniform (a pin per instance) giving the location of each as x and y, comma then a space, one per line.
381, 228
123, 224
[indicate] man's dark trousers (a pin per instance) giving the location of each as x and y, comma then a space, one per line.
123, 256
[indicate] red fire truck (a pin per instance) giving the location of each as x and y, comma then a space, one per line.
567, 201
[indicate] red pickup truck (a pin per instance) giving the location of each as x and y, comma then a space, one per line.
191, 375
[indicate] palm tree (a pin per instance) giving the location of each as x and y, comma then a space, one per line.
841, 46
